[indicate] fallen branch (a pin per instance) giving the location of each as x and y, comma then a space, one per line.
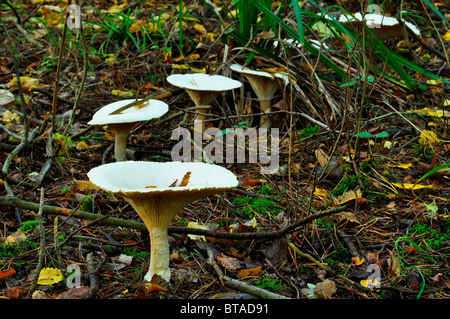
53, 210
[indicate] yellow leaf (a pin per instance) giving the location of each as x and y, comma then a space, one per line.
15, 237
370, 283
428, 137
200, 28
356, 261
210, 36
351, 195
49, 276
320, 192
411, 186
27, 83
446, 36
85, 146
110, 60
196, 225
405, 166
432, 112
122, 93
9, 116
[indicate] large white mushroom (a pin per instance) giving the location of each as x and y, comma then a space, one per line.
265, 85
158, 192
203, 88
382, 26
121, 122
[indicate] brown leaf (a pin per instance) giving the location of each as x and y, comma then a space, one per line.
7, 273
248, 181
185, 179
325, 289
12, 293
249, 272
75, 293
230, 263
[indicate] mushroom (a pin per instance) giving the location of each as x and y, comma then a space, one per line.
382, 26
203, 88
158, 192
120, 122
265, 85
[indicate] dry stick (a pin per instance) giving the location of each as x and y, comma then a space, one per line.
19, 83
93, 275
83, 80
53, 210
58, 72
42, 243
240, 285
5, 168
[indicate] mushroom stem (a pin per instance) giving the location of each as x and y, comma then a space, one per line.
120, 147
265, 106
159, 254
121, 132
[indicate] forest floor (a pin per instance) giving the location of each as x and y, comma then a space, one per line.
376, 227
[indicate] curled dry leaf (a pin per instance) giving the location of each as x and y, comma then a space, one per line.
230, 263
325, 289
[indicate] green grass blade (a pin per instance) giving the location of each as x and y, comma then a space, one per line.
298, 16
437, 11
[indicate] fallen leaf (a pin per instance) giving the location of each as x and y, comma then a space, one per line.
75, 293
85, 185
6, 273
404, 166
370, 283
348, 216
230, 263
196, 225
435, 112
200, 28
12, 293
350, 195
320, 192
26, 82
248, 181
411, 186
122, 93
39, 294
6, 97
249, 272
185, 179
325, 289
428, 137
357, 261
49, 276
154, 287
15, 237
85, 146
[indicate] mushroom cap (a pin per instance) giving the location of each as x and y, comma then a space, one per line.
203, 82
138, 178
151, 109
263, 83
375, 21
